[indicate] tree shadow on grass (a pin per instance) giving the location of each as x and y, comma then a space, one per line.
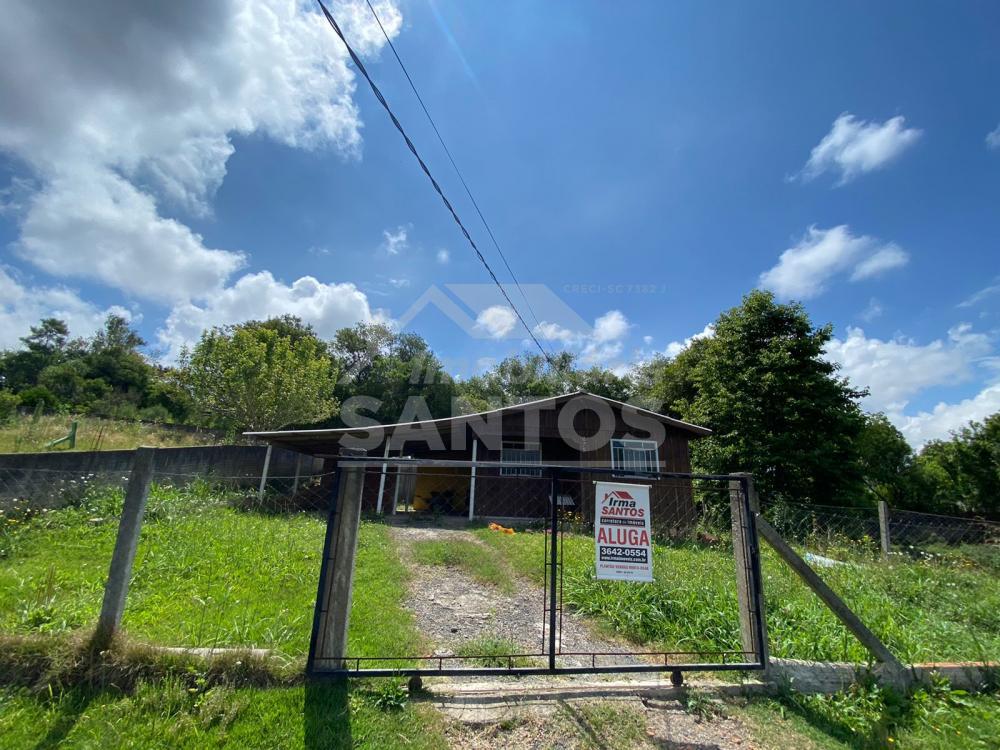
72, 705
327, 715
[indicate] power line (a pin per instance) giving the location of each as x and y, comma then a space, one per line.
413, 149
458, 171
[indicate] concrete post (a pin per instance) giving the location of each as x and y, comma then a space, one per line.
337, 577
263, 474
381, 479
129, 525
741, 528
883, 528
472, 481
298, 471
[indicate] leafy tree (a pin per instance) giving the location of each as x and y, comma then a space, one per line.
251, 377
774, 402
886, 460
48, 337
392, 367
961, 475
518, 379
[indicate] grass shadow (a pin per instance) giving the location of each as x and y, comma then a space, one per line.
72, 706
327, 715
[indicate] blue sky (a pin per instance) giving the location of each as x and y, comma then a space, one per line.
642, 164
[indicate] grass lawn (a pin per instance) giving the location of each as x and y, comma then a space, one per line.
924, 611
168, 715
27, 434
208, 573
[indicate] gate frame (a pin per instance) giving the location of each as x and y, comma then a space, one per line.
751, 609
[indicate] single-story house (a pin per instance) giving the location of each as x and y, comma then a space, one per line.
579, 429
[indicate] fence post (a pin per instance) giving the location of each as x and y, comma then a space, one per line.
883, 527
333, 604
472, 481
129, 525
553, 564
263, 474
750, 598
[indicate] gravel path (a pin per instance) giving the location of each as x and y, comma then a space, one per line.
452, 609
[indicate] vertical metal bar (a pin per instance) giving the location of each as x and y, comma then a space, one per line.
553, 562
756, 587
320, 612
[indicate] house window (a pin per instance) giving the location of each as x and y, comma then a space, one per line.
634, 455
524, 455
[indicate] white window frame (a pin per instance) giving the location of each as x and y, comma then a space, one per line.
521, 456
634, 455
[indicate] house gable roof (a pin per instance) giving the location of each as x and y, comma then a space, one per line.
300, 439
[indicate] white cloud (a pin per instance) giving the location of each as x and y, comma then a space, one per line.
944, 418
871, 312
443, 256
676, 347
598, 346
884, 259
803, 270
993, 138
23, 306
116, 107
399, 283
256, 296
896, 370
854, 147
118, 238
647, 340
497, 321
611, 326
395, 241
982, 294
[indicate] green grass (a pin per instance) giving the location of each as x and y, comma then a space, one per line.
864, 717
479, 561
493, 651
206, 574
169, 714
28, 434
924, 611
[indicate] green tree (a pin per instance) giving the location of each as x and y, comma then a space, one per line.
391, 367
251, 377
961, 475
886, 460
775, 404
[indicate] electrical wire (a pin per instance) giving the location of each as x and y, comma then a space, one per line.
461, 177
413, 149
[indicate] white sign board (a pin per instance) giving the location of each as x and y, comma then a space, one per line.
622, 532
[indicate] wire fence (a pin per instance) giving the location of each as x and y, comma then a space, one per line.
233, 561
897, 534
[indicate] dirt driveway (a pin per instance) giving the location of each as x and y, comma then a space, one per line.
453, 609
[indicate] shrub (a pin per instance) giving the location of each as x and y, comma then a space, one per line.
39, 397
8, 405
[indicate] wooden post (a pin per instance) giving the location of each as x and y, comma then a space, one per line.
844, 613
263, 475
381, 479
883, 528
472, 481
742, 546
337, 577
129, 525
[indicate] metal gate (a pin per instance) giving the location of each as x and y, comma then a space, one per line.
706, 521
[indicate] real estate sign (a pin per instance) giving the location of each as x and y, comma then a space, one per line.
622, 532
